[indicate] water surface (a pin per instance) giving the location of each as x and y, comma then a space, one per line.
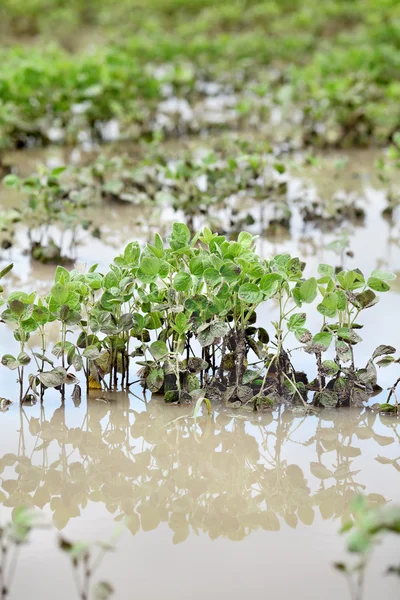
238, 503
234, 503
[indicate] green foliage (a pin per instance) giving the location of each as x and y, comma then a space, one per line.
336, 61
363, 534
48, 202
155, 303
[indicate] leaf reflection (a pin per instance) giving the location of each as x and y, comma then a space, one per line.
234, 476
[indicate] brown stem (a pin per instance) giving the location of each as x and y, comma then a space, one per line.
240, 355
321, 378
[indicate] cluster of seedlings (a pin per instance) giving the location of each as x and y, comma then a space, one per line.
193, 315
242, 185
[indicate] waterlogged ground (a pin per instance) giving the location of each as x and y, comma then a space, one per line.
235, 503
373, 241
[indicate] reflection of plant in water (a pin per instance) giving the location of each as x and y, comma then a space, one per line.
334, 499
219, 477
365, 531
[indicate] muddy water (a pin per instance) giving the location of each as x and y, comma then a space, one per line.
229, 504
234, 504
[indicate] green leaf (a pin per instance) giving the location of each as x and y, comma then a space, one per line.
181, 323
11, 181
328, 306
59, 293
155, 379
110, 280
308, 290
62, 276
383, 275
250, 293
269, 284
183, 281
212, 276
6, 270
131, 254
341, 300
196, 266
158, 349
280, 168
153, 321
378, 284
181, 234
326, 271
158, 243
296, 321
350, 280
29, 325
358, 541
245, 239
323, 340
150, 265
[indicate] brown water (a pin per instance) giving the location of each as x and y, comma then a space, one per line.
233, 503
236, 503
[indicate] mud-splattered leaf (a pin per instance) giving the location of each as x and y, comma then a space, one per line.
327, 398
322, 340
53, 378
382, 350
210, 333
330, 368
155, 380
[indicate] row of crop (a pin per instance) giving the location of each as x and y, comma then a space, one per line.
347, 87
186, 313
33, 17
56, 202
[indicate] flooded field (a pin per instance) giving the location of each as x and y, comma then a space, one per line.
228, 504
199, 297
